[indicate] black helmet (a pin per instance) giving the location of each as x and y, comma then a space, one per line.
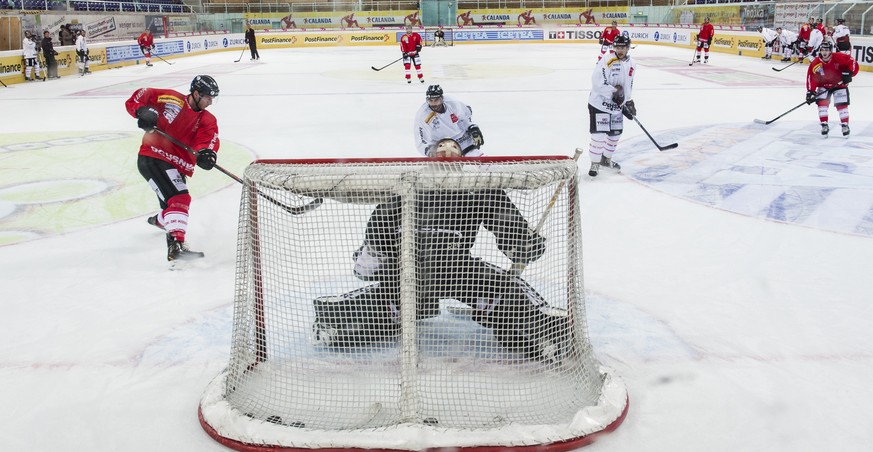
826, 46
205, 85
621, 40
841, 21
433, 92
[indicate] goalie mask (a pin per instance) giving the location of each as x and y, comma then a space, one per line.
446, 147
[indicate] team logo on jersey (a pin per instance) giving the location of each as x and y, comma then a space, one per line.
630, 73
170, 99
430, 117
454, 118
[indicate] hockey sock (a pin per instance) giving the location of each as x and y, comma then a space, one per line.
823, 111
843, 111
175, 216
597, 146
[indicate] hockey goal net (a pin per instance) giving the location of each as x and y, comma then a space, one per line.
430, 37
411, 304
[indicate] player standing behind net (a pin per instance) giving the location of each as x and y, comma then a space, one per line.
704, 40
410, 45
841, 36
611, 88
607, 38
769, 36
165, 165
446, 228
440, 118
146, 44
829, 75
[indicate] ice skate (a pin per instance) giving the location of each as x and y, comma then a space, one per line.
593, 170
845, 128
825, 129
607, 162
705, 60
786, 59
153, 220
421, 80
409, 81
178, 251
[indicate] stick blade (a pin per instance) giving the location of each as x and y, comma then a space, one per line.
668, 147
761, 121
373, 68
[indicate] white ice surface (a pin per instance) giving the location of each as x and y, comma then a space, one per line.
737, 323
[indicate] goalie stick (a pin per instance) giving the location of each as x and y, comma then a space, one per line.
389, 64
297, 210
660, 148
785, 67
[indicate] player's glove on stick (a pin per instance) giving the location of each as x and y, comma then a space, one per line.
476, 135
530, 251
810, 96
206, 159
629, 110
618, 95
847, 77
147, 118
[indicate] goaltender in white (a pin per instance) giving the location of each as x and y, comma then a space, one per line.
440, 118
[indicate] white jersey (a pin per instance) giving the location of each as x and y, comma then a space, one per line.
430, 127
840, 31
608, 74
787, 37
815, 38
768, 34
81, 44
29, 48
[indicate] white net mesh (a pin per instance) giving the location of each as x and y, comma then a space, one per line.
440, 301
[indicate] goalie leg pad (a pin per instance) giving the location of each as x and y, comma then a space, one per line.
357, 318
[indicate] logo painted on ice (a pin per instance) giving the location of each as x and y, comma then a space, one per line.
769, 173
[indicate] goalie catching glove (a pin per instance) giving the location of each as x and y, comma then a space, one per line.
147, 118
476, 135
206, 159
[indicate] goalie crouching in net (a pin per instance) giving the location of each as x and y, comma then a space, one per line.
447, 224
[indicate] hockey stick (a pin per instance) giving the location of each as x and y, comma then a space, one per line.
165, 61
761, 121
240, 55
518, 267
660, 148
292, 210
389, 64
693, 56
786, 67
4, 85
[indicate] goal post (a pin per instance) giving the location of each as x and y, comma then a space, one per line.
387, 317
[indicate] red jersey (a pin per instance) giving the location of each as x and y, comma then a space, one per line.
609, 34
146, 40
803, 33
196, 129
706, 32
410, 42
830, 75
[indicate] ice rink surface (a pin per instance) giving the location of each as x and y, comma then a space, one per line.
728, 281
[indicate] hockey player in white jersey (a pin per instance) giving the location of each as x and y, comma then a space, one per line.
769, 36
440, 117
611, 89
82, 52
841, 37
815, 39
31, 62
788, 39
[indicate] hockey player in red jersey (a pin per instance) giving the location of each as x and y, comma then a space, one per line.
166, 165
829, 75
704, 40
146, 43
803, 38
410, 45
607, 38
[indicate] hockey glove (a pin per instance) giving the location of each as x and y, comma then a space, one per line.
600, 41
418, 47
206, 159
476, 135
629, 110
530, 251
709, 41
810, 97
405, 55
147, 118
847, 77
618, 95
